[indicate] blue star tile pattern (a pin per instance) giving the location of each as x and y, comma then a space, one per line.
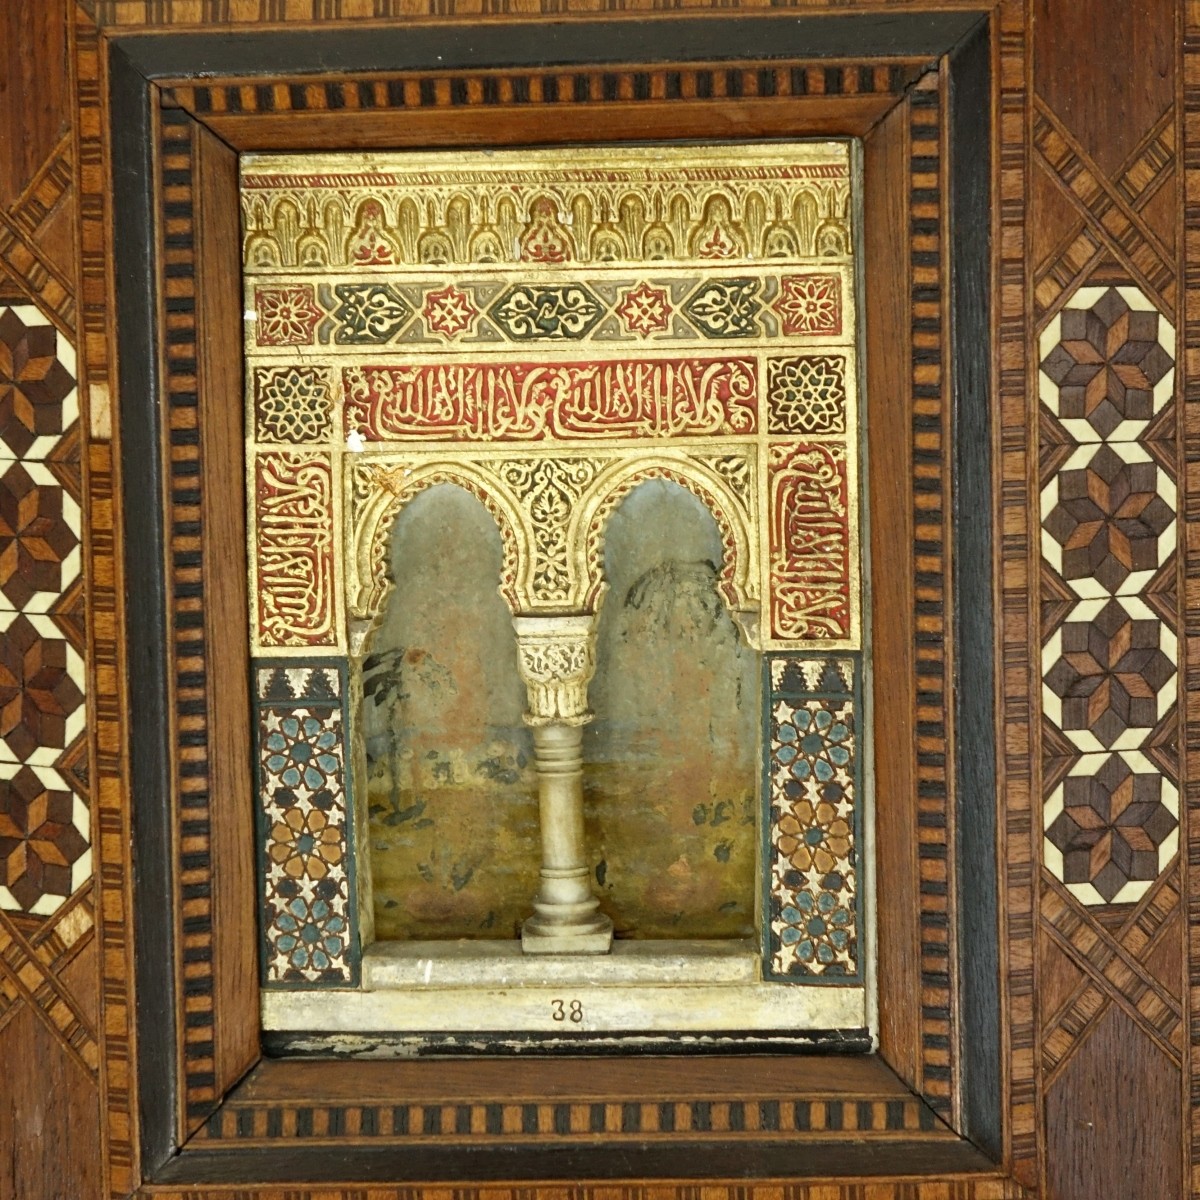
813, 926
306, 860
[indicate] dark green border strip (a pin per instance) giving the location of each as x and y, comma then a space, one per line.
977, 800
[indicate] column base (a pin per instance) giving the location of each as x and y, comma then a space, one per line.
594, 936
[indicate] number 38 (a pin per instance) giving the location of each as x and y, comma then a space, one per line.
567, 1010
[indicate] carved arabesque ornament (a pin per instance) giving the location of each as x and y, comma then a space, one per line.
629, 207
551, 510
557, 659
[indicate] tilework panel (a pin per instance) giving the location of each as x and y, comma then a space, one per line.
45, 833
1110, 659
812, 782
309, 904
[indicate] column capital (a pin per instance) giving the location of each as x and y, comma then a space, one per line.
556, 656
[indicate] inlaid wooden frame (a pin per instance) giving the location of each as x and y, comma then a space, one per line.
918, 91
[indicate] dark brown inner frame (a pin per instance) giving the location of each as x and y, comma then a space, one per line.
321, 1089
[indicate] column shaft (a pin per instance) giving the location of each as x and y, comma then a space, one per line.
556, 660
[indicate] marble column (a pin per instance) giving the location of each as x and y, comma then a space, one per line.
556, 656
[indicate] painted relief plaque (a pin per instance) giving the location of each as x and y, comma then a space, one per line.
553, 473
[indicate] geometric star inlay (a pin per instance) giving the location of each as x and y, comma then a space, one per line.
1107, 363
41, 704
1108, 519
44, 853
1108, 673
36, 383
1112, 827
38, 544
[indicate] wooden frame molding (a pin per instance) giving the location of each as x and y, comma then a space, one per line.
933, 1097
1065, 191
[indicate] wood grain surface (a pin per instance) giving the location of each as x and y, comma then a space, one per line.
1097, 123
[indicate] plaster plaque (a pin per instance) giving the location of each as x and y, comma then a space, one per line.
551, 333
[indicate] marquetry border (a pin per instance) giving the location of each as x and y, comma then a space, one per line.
931, 590
105, 571
193, 882
1018, 643
1188, 357
547, 87
494, 1120
710, 1188
930, 433
117, 893
933, 652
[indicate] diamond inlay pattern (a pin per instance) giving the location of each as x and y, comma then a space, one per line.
37, 383
1110, 660
45, 838
1110, 516
44, 849
1108, 364
1111, 827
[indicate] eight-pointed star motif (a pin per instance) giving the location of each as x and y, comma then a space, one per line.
36, 381
645, 309
449, 311
1107, 363
1108, 515
43, 841
41, 706
38, 543
1108, 671
1111, 827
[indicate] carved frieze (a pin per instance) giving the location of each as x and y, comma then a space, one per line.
621, 316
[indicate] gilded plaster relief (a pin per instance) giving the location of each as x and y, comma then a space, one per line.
556, 335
